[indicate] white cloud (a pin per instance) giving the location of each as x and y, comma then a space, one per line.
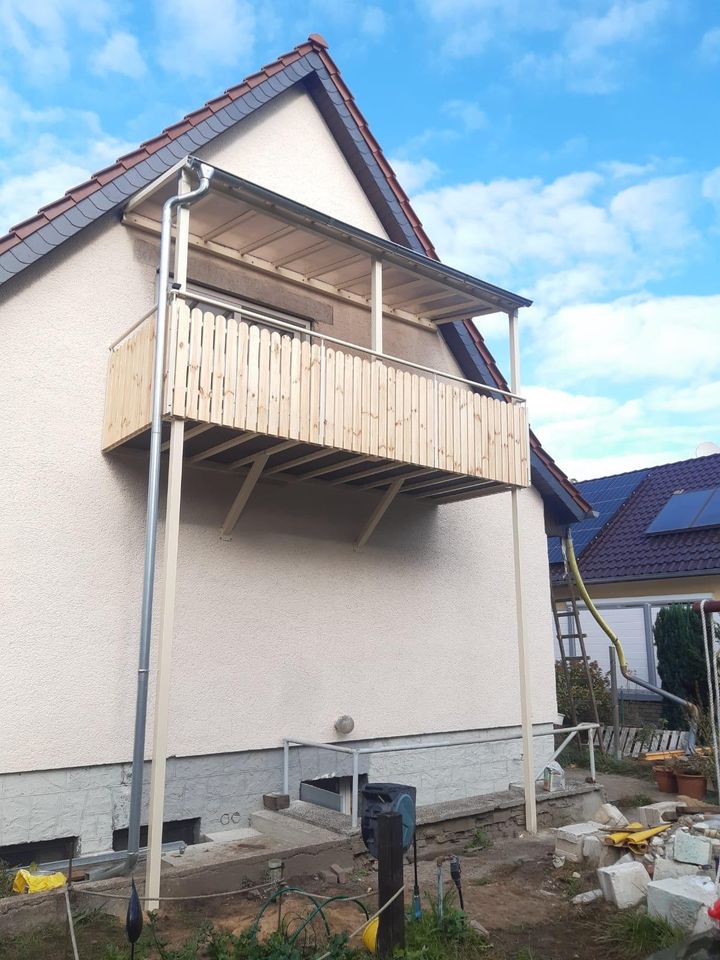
414, 174
709, 50
470, 115
204, 36
373, 21
659, 208
120, 54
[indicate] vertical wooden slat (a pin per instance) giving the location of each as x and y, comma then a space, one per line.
193, 382
399, 415
295, 387
431, 438
365, 377
423, 422
484, 463
273, 403
382, 396
305, 358
263, 407
285, 388
374, 407
512, 476
243, 370
206, 363
415, 418
391, 412
339, 395
346, 439
457, 442
182, 352
470, 425
504, 440
407, 416
231, 371
463, 418
253, 374
218, 372
316, 413
329, 412
441, 441
357, 405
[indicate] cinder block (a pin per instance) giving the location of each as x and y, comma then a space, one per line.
667, 869
569, 840
683, 902
624, 884
610, 816
690, 848
652, 814
599, 854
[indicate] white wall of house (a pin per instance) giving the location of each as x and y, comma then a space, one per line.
278, 631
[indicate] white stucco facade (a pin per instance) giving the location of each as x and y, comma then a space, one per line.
285, 627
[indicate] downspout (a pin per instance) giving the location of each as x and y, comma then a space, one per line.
204, 172
571, 562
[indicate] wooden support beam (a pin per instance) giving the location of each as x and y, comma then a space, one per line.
378, 513
240, 501
164, 664
331, 468
469, 485
269, 451
298, 461
189, 434
220, 447
474, 494
365, 473
376, 305
432, 482
406, 476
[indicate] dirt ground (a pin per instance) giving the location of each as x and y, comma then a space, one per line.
511, 888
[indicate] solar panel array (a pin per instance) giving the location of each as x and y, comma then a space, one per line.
688, 510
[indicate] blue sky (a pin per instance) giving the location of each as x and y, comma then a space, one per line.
565, 149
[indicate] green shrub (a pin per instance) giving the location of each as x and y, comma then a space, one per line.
581, 692
681, 660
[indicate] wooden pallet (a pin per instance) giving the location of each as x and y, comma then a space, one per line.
640, 740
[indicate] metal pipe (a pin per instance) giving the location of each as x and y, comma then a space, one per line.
326, 338
204, 172
355, 791
286, 767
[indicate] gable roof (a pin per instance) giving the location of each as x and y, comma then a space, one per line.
623, 550
310, 64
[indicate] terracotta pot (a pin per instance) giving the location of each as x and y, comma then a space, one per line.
665, 780
692, 785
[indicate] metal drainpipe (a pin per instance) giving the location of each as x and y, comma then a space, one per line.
204, 172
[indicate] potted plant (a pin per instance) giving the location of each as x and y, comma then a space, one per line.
691, 775
665, 779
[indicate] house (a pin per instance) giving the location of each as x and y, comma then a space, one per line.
320, 388
654, 541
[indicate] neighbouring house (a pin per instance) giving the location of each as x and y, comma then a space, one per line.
343, 455
655, 540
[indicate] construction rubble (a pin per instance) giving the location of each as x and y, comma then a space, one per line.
666, 859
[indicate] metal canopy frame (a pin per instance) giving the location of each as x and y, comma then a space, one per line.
358, 246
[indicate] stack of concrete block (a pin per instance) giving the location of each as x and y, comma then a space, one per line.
569, 841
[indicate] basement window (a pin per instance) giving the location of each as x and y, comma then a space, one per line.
44, 851
335, 793
174, 831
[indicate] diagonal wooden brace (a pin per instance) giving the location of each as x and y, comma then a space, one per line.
379, 512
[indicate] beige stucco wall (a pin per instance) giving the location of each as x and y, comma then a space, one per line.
278, 631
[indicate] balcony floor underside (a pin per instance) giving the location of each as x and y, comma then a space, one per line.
230, 451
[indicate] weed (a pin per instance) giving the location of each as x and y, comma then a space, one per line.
480, 840
525, 953
634, 800
449, 938
635, 935
7, 875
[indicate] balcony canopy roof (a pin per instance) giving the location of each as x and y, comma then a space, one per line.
243, 221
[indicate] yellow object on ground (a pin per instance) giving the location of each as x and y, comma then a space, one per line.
634, 839
370, 935
26, 882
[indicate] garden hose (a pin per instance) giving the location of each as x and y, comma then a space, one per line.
318, 908
572, 565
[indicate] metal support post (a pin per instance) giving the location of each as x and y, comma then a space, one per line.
286, 767
355, 792
615, 703
591, 751
376, 311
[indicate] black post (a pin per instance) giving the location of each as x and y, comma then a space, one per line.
391, 932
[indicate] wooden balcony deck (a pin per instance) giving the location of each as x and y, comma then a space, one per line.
243, 384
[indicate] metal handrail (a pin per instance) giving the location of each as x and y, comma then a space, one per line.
357, 752
326, 338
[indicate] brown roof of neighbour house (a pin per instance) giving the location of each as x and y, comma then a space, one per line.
310, 63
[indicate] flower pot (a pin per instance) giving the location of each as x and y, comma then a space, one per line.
665, 780
692, 785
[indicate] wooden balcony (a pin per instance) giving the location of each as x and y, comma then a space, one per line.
313, 408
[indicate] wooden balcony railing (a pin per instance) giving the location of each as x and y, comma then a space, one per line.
297, 385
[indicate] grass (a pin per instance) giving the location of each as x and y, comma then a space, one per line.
431, 938
634, 800
480, 840
634, 935
604, 763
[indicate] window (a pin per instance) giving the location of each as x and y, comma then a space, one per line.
188, 831
240, 308
688, 510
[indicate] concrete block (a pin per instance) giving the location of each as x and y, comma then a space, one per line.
610, 816
597, 853
624, 884
652, 814
683, 902
569, 840
276, 801
690, 848
666, 869
238, 835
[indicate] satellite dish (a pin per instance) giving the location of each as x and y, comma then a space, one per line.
706, 449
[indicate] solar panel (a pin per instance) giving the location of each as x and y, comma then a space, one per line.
688, 510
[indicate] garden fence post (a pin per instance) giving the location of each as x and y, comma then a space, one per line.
391, 931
